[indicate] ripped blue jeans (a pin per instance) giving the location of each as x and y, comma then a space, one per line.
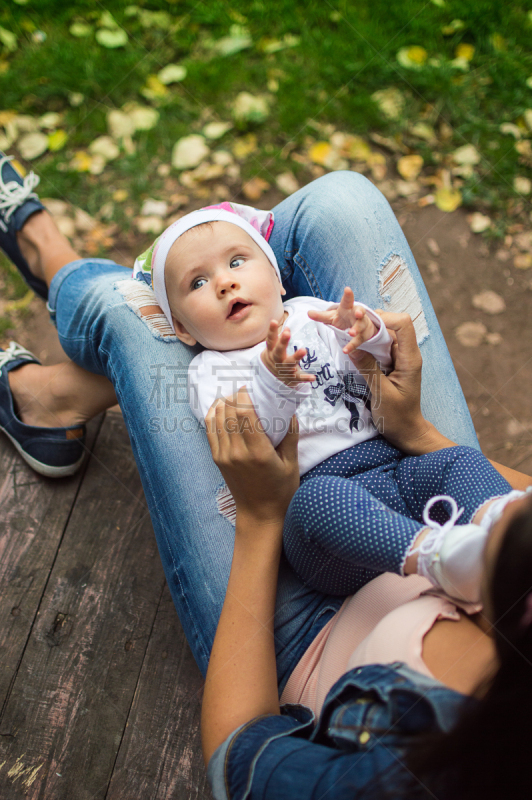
339, 230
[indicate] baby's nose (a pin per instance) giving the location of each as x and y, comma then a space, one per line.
226, 283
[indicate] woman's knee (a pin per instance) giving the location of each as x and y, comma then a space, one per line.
339, 197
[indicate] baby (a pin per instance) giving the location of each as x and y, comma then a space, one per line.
367, 511
220, 286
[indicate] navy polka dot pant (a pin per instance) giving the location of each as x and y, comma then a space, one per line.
356, 514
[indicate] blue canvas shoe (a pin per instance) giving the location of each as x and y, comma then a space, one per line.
53, 452
18, 201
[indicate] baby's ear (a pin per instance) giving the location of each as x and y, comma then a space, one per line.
182, 334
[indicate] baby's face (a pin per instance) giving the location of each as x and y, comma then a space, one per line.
222, 290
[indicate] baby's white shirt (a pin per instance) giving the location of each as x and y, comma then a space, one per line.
326, 424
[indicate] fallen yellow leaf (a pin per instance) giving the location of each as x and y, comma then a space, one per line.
154, 89
57, 140
319, 152
357, 149
409, 167
413, 57
448, 199
523, 260
244, 146
81, 161
465, 51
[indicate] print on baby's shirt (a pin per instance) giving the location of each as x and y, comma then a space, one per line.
329, 387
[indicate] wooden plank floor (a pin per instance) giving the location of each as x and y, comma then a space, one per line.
99, 693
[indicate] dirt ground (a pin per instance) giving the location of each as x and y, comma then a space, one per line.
496, 375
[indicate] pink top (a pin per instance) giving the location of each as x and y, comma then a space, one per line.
383, 622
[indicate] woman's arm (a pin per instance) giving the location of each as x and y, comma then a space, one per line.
241, 680
396, 398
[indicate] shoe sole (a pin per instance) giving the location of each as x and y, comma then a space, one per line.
44, 469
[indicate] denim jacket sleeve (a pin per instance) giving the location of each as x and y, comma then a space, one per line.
368, 720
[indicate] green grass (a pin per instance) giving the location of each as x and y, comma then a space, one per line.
347, 51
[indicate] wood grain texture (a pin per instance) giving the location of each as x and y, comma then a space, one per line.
160, 755
34, 515
64, 718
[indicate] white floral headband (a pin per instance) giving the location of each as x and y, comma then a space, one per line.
149, 266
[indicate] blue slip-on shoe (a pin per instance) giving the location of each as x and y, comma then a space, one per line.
53, 452
18, 201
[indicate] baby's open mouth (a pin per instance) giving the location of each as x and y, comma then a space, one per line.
236, 308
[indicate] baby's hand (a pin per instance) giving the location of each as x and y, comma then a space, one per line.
341, 316
363, 330
285, 367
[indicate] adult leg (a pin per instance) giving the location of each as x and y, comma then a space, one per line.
340, 231
148, 371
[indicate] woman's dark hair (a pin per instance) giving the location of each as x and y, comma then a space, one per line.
488, 754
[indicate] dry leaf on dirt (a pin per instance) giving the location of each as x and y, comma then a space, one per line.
447, 199
152, 224
523, 261
151, 207
433, 247
32, 145
471, 334
409, 167
287, 182
423, 131
83, 221
244, 146
120, 195
189, 151
254, 188
223, 158
104, 146
479, 222
66, 226
467, 154
490, 302
57, 208
522, 185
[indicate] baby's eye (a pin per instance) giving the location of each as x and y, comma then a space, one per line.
198, 283
237, 262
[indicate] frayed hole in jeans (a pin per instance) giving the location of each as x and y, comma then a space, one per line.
139, 296
226, 504
399, 294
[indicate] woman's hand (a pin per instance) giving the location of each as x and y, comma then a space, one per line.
396, 397
241, 680
261, 479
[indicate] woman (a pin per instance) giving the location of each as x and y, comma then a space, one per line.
385, 730
338, 230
